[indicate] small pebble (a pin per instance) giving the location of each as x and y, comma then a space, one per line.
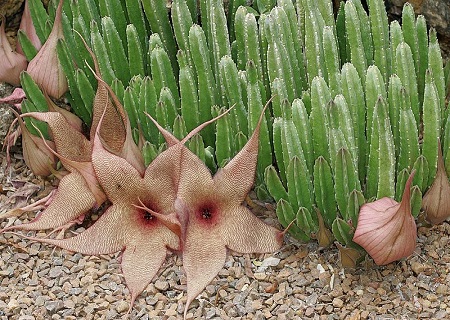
260, 275
161, 285
122, 306
54, 306
13, 304
338, 303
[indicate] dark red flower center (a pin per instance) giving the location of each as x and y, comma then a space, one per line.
148, 216
145, 213
206, 214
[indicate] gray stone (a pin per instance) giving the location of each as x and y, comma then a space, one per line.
54, 306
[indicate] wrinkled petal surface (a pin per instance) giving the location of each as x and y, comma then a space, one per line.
73, 198
211, 212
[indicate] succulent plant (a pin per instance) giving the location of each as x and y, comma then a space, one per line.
357, 103
374, 111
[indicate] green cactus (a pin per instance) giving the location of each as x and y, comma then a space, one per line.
332, 62
134, 50
422, 172
147, 104
323, 187
381, 164
431, 125
380, 36
315, 65
302, 124
36, 102
158, 17
409, 144
286, 215
345, 181
375, 87
188, 92
320, 97
355, 38
307, 221
353, 92
405, 70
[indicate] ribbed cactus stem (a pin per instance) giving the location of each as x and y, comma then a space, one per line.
354, 35
188, 93
431, 124
380, 36
323, 187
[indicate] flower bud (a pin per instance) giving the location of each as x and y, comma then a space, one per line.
11, 62
15, 98
45, 68
27, 26
436, 201
386, 229
36, 154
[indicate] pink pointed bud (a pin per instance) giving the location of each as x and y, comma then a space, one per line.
386, 229
45, 68
436, 201
35, 151
27, 26
11, 62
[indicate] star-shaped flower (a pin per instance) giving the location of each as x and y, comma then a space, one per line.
141, 221
213, 217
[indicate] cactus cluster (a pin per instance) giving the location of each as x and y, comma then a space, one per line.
374, 111
357, 103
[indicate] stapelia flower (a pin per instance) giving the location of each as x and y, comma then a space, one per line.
141, 221
45, 68
27, 26
11, 62
386, 229
436, 201
213, 217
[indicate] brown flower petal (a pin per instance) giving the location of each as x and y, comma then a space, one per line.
71, 118
386, 229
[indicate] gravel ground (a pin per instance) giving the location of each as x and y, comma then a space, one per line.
301, 281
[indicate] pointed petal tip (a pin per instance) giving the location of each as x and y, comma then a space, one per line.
169, 137
204, 124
